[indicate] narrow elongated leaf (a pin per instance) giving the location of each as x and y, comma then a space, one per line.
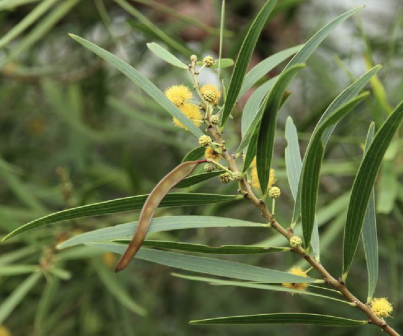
150, 206
267, 129
293, 160
122, 204
259, 70
276, 288
200, 248
278, 89
312, 164
140, 80
166, 55
293, 164
112, 284
211, 266
220, 63
369, 234
363, 184
253, 104
14, 299
243, 59
301, 57
349, 93
194, 154
160, 224
28, 20
197, 178
284, 318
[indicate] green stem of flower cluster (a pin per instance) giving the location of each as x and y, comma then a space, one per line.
340, 286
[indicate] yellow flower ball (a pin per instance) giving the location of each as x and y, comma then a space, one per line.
381, 307
192, 112
298, 286
178, 94
212, 88
211, 154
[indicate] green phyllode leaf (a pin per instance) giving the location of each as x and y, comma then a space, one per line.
119, 205
369, 234
293, 165
166, 55
243, 59
267, 129
284, 318
160, 224
211, 266
363, 185
201, 248
144, 83
312, 164
349, 93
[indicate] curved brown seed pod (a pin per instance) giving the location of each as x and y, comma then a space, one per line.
149, 207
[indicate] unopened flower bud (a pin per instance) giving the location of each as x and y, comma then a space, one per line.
205, 140
274, 192
225, 178
237, 176
209, 96
215, 119
209, 168
295, 241
208, 61
193, 58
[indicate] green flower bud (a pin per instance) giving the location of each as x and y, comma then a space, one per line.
205, 140
274, 192
225, 178
208, 61
215, 119
295, 241
209, 168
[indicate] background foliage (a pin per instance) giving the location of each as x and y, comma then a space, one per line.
73, 131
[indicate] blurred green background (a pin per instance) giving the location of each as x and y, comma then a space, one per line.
73, 131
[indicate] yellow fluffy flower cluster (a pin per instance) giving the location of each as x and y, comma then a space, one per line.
298, 286
255, 179
180, 95
211, 154
381, 307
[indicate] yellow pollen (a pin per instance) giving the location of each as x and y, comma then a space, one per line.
381, 307
192, 112
298, 286
255, 179
178, 94
210, 153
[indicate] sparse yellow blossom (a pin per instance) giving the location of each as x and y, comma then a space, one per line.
192, 112
381, 307
295, 270
178, 94
211, 87
255, 179
211, 154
